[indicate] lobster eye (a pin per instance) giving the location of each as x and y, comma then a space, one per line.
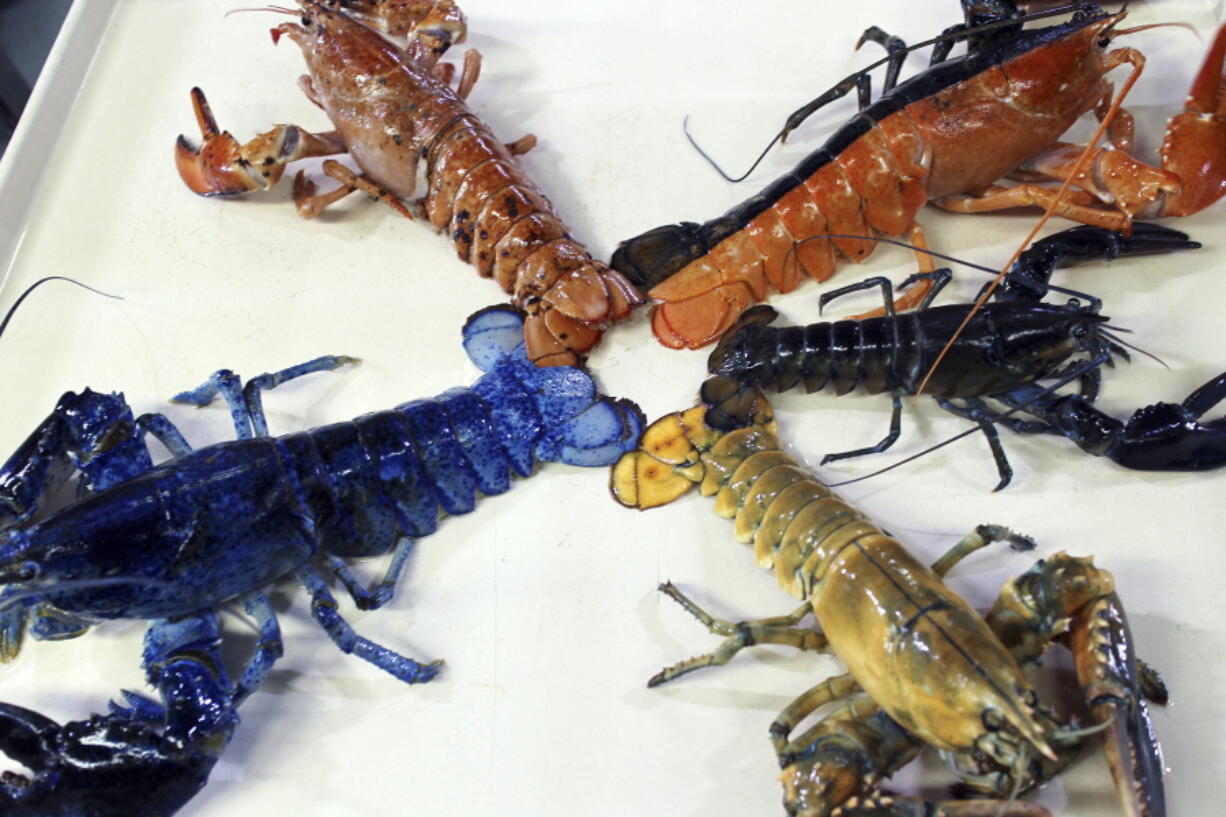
992, 720
1103, 42
26, 572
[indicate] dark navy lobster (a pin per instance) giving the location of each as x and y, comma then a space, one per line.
170, 543
1001, 353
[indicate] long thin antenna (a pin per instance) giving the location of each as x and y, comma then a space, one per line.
8, 316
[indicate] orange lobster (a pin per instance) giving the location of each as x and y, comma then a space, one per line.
945, 136
394, 107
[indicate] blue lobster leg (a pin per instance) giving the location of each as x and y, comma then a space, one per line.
268, 648
382, 592
323, 608
164, 432
246, 405
145, 760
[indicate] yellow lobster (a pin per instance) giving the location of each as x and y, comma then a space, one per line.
923, 666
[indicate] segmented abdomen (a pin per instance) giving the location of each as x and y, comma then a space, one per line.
867, 179
798, 526
876, 354
502, 224
395, 472
1003, 346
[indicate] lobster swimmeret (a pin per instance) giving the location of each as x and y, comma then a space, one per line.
225, 521
393, 108
923, 667
946, 135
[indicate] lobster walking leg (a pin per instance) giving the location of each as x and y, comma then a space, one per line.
741, 634
323, 609
245, 403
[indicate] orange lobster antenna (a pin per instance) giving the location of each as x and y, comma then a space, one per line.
277, 9
1148, 26
1050, 211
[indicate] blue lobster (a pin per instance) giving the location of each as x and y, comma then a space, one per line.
173, 542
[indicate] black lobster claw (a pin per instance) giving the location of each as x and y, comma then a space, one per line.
106, 766
1160, 437
1028, 280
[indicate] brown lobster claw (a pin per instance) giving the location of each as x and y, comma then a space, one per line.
221, 166
1115, 690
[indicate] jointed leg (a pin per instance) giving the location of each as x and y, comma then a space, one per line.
268, 648
894, 46
887, 441
245, 403
323, 608
1077, 205
310, 204
382, 592
776, 630
988, 428
805, 704
979, 538
929, 277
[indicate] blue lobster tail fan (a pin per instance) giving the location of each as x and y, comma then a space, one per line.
597, 436
493, 333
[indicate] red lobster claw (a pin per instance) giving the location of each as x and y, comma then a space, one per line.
1195, 145
221, 166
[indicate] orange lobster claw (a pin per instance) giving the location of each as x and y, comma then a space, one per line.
1195, 145
223, 167
216, 167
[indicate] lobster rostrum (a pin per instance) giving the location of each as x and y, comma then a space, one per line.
923, 667
225, 521
397, 115
1004, 349
1017, 90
